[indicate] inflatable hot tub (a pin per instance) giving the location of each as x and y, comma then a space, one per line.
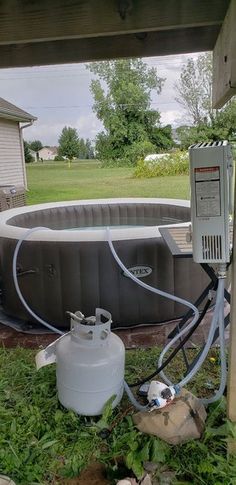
69, 266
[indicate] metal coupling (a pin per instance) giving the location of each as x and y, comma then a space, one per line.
222, 271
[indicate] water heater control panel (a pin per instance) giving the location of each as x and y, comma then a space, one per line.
211, 177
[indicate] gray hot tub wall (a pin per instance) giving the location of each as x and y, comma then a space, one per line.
70, 275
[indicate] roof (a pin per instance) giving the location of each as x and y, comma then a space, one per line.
51, 149
10, 111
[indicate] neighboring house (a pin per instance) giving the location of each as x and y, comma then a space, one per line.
12, 160
48, 153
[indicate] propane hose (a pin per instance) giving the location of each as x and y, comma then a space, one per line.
217, 320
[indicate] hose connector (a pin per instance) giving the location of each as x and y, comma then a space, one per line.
222, 271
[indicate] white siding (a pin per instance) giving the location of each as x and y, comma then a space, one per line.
46, 154
11, 163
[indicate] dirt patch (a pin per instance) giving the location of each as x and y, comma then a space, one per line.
93, 475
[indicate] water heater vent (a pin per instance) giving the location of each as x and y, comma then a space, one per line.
212, 248
210, 144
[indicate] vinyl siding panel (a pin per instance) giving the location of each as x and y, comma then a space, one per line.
11, 167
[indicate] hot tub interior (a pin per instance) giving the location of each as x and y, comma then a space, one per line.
102, 215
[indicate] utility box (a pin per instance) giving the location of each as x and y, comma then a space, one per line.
11, 196
211, 176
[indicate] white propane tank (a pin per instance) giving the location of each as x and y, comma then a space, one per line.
90, 365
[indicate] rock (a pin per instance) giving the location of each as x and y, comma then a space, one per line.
6, 480
167, 478
146, 480
150, 467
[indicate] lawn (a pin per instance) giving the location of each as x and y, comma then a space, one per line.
50, 182
43, 443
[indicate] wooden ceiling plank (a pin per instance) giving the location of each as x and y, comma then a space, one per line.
224, 60
84, 50
23, 21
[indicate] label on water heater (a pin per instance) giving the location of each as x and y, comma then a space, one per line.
207, 186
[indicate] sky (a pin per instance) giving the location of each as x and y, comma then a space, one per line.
59, 95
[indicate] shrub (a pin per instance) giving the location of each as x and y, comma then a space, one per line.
138, 150
176, 163
132, 154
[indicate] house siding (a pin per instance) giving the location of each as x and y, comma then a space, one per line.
11, 163
47, 153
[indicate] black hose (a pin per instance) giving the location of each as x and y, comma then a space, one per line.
176, 350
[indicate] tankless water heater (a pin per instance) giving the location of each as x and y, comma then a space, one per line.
211, 176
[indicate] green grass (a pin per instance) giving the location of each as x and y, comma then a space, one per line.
43, 443
50, 182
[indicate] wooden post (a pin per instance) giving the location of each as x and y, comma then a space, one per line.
224, 86
231, 388
224, 60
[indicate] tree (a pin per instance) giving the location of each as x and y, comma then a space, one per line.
85, 149
224, 123
90, 150
221, 127
35, 145
28, 156
68, 143
122, 99
195, 89
195, 94
83, 152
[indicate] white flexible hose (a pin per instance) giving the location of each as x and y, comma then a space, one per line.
15, 279
151, 288
223, 360
134, 401
218, 314
208, 344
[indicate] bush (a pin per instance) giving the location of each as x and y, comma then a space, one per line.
176, 163
132, 154
58, 158
139, 150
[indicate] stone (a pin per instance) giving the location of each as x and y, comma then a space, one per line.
146, 480
6, 480
150, 467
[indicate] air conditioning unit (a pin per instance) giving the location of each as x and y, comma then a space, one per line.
211, 176
11, 196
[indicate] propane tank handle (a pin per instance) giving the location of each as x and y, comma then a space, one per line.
92, 331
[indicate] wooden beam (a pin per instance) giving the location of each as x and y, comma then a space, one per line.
23, 21
231, 387
131, 45
224, 60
